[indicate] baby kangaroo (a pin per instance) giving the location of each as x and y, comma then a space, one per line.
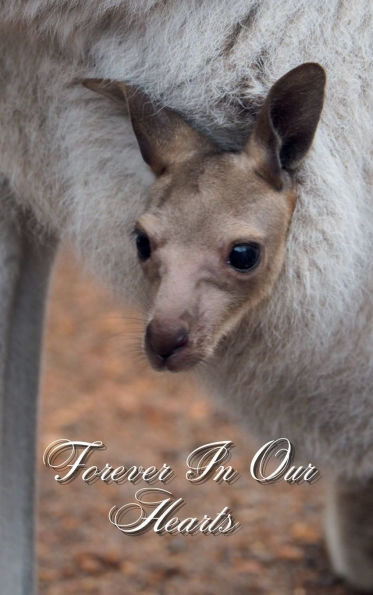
212, 241
212, 247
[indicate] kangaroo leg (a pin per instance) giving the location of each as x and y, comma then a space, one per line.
24, 271
349, 530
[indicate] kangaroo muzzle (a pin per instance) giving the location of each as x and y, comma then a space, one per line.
165, 342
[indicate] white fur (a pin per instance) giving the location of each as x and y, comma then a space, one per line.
302, 365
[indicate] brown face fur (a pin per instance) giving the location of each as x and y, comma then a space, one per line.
198, 212
204, 202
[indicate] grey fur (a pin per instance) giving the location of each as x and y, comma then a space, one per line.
303, 364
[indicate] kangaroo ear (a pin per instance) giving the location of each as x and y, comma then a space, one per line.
164, 137
286, 124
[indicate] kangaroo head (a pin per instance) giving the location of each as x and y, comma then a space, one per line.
212, 242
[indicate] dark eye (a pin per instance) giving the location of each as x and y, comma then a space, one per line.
143, 245
244, 257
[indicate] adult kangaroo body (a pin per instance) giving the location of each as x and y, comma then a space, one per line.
70, 168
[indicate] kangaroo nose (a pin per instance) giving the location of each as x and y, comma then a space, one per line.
164, 340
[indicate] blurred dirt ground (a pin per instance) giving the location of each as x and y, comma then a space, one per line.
96, 386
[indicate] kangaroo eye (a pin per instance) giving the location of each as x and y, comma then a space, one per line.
143, 245
244, 257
